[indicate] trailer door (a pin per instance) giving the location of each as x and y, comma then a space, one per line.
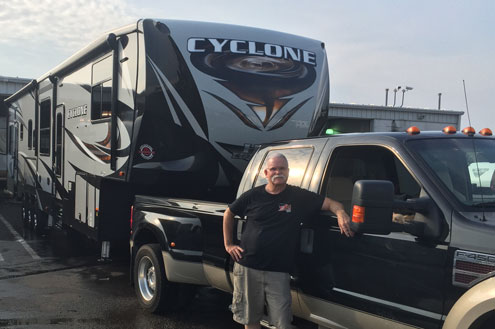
58, 159
12, 157
44, 132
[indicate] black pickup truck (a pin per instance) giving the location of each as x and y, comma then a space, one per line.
423, 255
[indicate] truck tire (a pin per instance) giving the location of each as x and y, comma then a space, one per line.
154, 292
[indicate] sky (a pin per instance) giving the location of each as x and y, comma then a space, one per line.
429, 45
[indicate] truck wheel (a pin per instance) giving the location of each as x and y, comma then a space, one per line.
486, 321
155, 293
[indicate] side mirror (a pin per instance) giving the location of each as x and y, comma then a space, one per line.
372, 203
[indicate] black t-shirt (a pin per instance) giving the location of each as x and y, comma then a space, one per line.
271, 234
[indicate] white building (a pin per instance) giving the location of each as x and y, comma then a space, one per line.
346, 118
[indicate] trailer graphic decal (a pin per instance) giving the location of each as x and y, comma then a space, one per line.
100, 151
58, 187
146, 152
168, 87
81, 146
236, 111
253, 48
266, 80
32, 169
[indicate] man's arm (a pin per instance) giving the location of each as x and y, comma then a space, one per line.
228, 236
342, 217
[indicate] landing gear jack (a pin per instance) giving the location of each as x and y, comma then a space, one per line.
105, 252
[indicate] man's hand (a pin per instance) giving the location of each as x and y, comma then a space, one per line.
228, 224
342, 218
344, 223
234, 251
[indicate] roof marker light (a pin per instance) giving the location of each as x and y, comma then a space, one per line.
449, 130
413, 130
469, 131
485, 132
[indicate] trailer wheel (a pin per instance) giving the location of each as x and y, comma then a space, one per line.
24, 214
40, 221
155, 293
29, 214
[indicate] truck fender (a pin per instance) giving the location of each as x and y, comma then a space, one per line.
477, 301
148, 232
145, 233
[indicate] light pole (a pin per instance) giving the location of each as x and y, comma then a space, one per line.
403, 93
395, 94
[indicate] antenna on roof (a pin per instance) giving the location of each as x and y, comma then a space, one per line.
483, 219
467, 106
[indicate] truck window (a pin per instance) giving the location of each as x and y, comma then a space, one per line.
298, 159
465, 167
101, 91
350, 164
45, 127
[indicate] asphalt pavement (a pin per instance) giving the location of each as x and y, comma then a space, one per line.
56, 281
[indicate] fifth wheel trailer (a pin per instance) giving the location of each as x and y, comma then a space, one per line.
155, 108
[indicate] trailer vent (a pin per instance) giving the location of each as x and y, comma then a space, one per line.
471, 268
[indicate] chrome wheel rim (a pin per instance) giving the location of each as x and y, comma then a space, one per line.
146, 278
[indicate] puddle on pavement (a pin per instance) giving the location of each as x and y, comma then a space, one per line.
56, 321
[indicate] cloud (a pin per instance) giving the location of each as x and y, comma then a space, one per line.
66, 23
56, 28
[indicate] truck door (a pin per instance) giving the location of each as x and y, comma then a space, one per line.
217, 263
398, 276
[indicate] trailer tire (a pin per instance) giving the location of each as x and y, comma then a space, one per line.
24, 213
155, 293
40, 222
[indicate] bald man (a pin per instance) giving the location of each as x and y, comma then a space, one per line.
269, 242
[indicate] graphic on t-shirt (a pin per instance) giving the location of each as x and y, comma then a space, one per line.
284, 207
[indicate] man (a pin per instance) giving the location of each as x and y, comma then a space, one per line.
269, 242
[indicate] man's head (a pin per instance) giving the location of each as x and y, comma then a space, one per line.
277, 169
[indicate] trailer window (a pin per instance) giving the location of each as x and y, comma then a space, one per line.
101, 92
21, 135
101, 103
30, 134
298, 159
45, 127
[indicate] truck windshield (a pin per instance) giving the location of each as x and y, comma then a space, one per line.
465, 166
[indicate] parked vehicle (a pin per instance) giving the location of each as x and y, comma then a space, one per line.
157, 107
423, 255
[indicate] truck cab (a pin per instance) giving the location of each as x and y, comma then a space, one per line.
435, 243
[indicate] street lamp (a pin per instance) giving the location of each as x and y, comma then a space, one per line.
395, 94
404, 92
